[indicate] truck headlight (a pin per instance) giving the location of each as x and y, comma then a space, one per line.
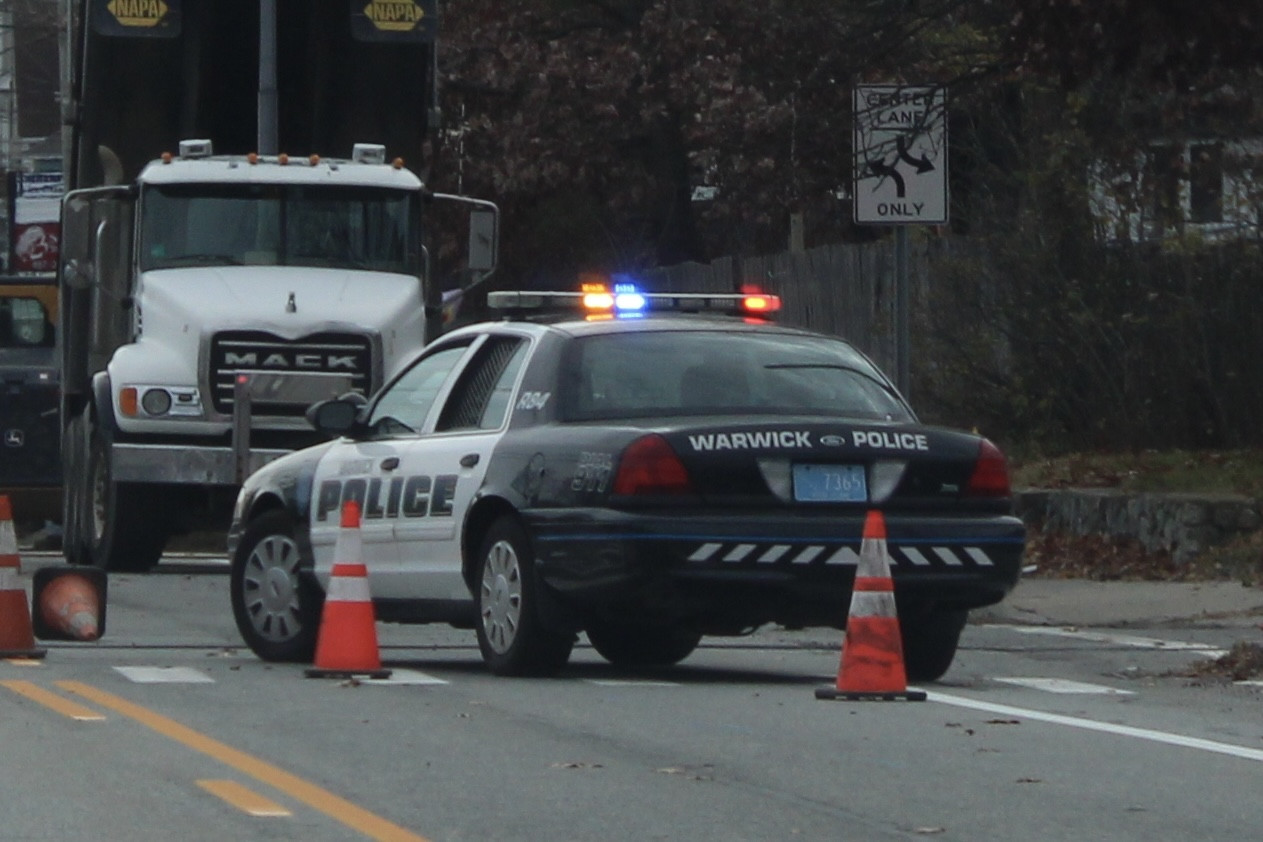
156, 401
160, 402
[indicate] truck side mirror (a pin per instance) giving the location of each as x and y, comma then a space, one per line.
77, 274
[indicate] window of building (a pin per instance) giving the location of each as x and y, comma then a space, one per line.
1206, 183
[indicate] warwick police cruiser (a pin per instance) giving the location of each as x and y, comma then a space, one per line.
641, 468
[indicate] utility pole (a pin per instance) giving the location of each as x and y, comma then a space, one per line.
268, 131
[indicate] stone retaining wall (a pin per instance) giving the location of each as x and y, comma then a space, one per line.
1182, 524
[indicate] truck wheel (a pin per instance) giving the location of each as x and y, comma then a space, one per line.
277, 607
125, 525
930, 637
630, 645
512, 638
73, 450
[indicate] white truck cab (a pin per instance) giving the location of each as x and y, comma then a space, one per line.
205, 306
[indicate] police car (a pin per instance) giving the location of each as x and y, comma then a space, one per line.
646, 469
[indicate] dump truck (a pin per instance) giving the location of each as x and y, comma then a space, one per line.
214, 284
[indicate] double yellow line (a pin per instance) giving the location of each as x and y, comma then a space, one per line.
339, 809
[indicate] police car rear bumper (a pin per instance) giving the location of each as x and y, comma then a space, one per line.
599, 556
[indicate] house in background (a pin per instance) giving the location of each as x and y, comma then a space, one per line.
1209, 189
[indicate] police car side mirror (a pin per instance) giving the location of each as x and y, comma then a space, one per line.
336, 416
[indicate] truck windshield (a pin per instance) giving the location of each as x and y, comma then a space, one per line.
279, 225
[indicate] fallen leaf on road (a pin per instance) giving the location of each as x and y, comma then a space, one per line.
576, 764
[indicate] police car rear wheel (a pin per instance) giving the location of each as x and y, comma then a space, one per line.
277, 609
629, 645
511, 636
930, 637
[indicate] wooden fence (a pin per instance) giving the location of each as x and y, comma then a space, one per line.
846, 290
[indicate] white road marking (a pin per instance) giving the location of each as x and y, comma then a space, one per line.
1114, 639
165, 675
1061, 685
1103, 727
398, 676
629, 682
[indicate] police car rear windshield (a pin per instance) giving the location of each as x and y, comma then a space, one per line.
639, 375
279, 225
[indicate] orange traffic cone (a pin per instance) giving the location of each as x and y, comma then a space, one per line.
17, 638
346, 644
69, 603
872, 650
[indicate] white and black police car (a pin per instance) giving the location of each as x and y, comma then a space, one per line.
645, 469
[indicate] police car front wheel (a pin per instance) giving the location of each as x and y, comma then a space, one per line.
511, 635
277, 607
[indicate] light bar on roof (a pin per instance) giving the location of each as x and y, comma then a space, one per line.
626, 300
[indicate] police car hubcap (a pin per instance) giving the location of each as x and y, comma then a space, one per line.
501, 596
268, 589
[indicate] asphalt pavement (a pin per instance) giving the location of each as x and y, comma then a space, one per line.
1046, 601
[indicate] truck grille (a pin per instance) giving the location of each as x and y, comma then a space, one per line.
256, 352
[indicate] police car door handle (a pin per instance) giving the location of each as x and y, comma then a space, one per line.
390, 463
469, 460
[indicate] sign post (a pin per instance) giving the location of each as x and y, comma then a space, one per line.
900, 176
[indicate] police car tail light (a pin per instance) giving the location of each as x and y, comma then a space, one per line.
991, 473
650, 466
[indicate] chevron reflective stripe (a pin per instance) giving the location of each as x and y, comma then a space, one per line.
810, 554
773, 553
844, 555
349, 583
980, 558
835, 555
914, 555
704, 552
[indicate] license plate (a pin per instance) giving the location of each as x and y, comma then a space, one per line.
830, 484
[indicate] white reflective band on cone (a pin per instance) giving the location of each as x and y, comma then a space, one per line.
348, 548
873, 604
8, 578
348, 589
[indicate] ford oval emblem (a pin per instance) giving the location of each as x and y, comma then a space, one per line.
832, 440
